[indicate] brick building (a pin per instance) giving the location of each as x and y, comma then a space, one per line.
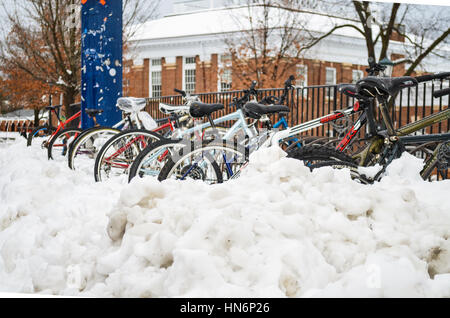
188, 51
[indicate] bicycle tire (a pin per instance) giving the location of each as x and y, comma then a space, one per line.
83, 137
318, 153
316, 156
117, 139
153, 149
171, 165
48, 130
66, 131
434, 163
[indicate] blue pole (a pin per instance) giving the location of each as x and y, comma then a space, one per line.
101, 60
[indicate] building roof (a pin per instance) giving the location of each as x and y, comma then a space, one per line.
203, 33
230, 20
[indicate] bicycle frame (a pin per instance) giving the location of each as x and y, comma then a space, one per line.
283, 123
400, 136
240, 124
169, 124
237, 116
61, 124
295, 130
290, 132
277, 137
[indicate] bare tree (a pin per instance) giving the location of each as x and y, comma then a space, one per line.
425, 32
135, 13
40, 43
424, 29
271, 42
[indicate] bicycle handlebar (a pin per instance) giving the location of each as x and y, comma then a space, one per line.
287, 87
288, 82
441, 92
180, 91
374, 68
429, 77
238, 102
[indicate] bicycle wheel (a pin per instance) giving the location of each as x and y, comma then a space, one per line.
315, 153
212, 162
120, 151
440, 160
41, 133
58, 146
86, 146
315, 156
152, 159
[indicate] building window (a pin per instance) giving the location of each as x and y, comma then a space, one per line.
189, 75
330, 76
190, 60
189, 81
225, 73
357, 75
301, 78
156, 83
330, 79
155, 78
225, 80
156, 62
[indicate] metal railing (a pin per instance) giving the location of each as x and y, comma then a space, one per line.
307, 103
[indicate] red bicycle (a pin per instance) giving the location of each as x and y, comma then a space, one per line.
48, 131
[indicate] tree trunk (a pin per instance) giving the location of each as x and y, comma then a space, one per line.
69, 99
427, 52
36, 117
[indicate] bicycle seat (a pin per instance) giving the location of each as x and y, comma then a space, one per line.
348, 89
92, 112
255, 110
53, 107
381, 86
199, 109
172, 109
131, 104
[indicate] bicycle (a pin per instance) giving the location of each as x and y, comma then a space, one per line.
119, 152
151, 160
229, 156
86, 146
50, 131
286, 138
386, 144
234, 158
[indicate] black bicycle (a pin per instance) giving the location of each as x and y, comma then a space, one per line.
384, 143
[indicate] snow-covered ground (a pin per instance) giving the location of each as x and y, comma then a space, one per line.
278, 231
7, 137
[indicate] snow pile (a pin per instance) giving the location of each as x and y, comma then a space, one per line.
278, 231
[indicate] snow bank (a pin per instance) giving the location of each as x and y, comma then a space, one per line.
278, 231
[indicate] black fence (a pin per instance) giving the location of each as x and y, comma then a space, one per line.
311, 102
